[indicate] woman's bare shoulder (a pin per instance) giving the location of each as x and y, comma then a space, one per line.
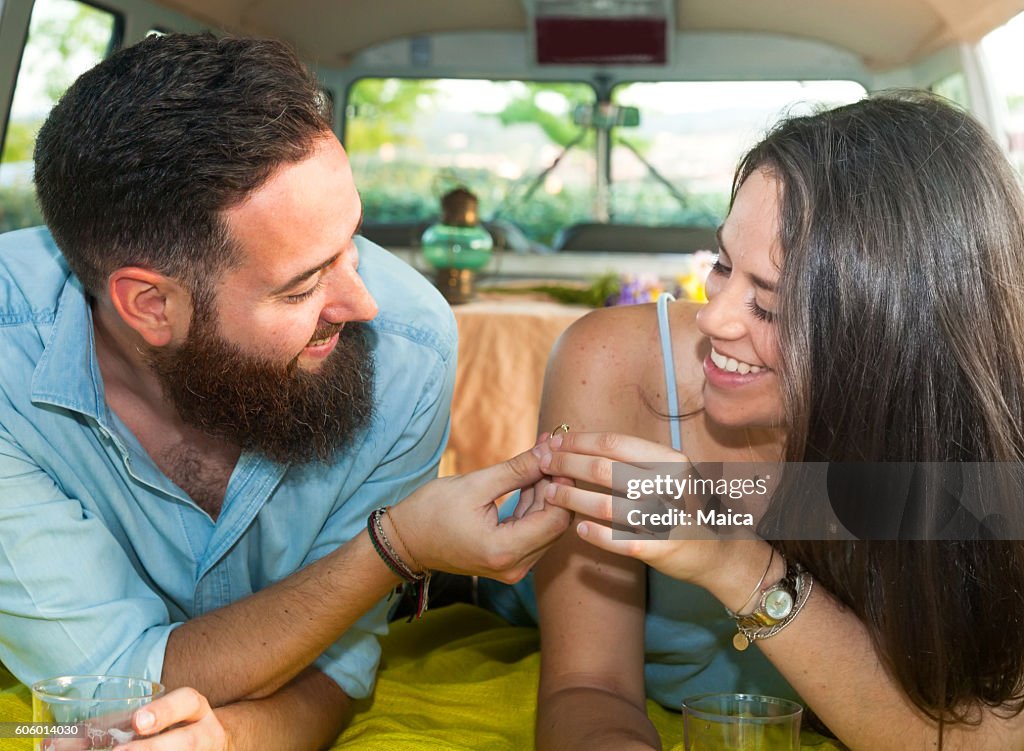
621, 346
608, 340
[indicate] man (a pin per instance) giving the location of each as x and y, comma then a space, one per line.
208, 383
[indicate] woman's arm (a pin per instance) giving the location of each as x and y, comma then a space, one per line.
826, 653
591, 602
592, 685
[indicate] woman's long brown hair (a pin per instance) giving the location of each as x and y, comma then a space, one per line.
901, 331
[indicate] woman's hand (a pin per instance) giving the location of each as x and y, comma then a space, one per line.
532, 498
451, 524
694, 552
181, 719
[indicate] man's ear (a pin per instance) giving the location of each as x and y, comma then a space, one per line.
157, 307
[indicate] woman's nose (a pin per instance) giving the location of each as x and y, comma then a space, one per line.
723, 315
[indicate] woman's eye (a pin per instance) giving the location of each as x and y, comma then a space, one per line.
760, 313
720, 268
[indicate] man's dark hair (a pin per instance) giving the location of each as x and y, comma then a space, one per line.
138, 159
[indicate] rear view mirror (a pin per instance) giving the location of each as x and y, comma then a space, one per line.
605, 116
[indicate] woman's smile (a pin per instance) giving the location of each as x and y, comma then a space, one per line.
731, 364
724, 372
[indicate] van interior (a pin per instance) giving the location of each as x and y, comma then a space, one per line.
602, 129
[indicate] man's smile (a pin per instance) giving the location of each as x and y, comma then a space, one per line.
324, 339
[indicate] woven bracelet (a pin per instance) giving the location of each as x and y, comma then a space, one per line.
419, 581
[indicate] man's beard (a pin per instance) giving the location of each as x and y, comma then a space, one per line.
283, 412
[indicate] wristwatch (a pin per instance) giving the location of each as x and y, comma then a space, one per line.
777, 606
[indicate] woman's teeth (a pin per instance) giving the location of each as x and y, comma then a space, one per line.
732, 365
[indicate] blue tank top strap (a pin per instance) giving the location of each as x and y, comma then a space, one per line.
670, 369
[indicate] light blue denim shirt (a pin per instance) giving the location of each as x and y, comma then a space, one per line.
101, 555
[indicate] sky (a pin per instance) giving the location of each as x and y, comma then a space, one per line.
1002, 48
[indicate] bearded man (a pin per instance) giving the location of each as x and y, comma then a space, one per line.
209, 382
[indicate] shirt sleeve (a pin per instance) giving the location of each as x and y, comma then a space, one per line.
410, 461
70, 599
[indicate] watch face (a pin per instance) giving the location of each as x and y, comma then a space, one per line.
778, 604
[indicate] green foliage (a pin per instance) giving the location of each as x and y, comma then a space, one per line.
411, 192
18, 208
382, 110
559, 129
954, 88
63, 37
21, 139
650, 203
544, 214
87, 32
381, 204
378, 105
407, 192
595, 296
558, 126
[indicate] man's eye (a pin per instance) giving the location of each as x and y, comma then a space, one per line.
292, 299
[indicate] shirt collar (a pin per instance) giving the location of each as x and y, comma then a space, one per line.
68, 374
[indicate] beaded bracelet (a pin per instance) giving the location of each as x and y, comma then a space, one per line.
394, 526
420, 580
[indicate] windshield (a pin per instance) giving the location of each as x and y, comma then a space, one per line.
410, 141
532, 151
676, 166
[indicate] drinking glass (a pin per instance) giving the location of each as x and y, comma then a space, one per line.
740, 722
78, 712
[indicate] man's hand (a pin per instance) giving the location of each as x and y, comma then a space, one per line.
451, 524
197, 727
695, 554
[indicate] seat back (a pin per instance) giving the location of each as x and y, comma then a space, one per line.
635, 238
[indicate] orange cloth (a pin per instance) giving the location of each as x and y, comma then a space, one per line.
503, 350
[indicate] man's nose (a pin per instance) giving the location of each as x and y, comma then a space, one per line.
349, 299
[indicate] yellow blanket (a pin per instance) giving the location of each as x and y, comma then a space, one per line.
458, 680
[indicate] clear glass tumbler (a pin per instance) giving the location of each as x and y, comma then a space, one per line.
740, 722
88, 711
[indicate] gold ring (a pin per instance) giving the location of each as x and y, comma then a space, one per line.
560, 428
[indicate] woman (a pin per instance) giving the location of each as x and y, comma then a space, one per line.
866, 306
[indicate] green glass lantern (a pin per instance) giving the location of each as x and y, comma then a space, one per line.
458, 247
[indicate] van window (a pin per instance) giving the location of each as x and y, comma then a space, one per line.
1002, 51
676, 166
410, 141
65, 38
954, 88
